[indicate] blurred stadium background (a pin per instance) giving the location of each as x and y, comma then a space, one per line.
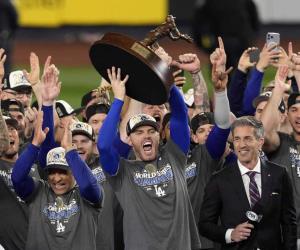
65, 29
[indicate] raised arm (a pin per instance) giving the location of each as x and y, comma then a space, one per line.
238, 82
88, 186
179, 129
34, 75
4, 138
270, 115
109, 157
266, 57
50, 89
294, 64
201, 98
221, 130
2, 61
23, 183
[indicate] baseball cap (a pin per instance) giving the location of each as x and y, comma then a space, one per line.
201, 119
98, 108
87, 98
5, 106
17, 81
63, 108
292, 100
56, 158
11, 121
141, 120
265, 96
165, 120
82, 128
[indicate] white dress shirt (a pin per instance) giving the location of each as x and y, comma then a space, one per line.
246, 181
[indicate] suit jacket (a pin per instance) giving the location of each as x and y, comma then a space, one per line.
225, 199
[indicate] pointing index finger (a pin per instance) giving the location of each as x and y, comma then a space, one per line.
221, 44
290, 49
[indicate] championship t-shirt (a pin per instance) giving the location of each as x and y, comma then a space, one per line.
60, 222
108, 218
199, 169
13, 210
288, 155
157, 210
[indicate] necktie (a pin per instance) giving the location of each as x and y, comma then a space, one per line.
253, 189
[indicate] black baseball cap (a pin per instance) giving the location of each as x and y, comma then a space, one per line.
292, 100
5, 106
201, 119
141, 120
263, 97
11, 122
97, 108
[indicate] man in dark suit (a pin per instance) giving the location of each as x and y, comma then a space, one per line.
252, 198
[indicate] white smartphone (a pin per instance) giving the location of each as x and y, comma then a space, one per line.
273, 39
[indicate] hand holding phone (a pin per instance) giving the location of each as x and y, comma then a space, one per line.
273, 39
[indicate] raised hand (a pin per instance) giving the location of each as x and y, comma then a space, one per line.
189, 62
244, 62
268, 56
30, 120
2, 61
219, 78
163, 55
118, 85
294, 60
34, 76
280, 78
218, 57
178, 79
51, 85
66, 141
39, 134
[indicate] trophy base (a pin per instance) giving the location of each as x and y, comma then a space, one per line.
150, 78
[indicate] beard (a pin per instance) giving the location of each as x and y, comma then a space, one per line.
10, 155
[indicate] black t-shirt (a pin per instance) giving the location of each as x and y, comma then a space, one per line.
200, 167
157, 210
14, 219
110, 213
288, 155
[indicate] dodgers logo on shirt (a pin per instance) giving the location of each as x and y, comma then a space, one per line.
154, 180
191, 170
99, 174
295, 160
59, 213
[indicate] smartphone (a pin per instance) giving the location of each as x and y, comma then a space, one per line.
272, 39
254, 55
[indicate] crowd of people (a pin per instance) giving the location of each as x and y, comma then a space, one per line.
197, 172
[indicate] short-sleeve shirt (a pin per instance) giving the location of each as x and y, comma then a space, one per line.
60, 222
199, 169
288, 155
157, 210
13, 210
107, 218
